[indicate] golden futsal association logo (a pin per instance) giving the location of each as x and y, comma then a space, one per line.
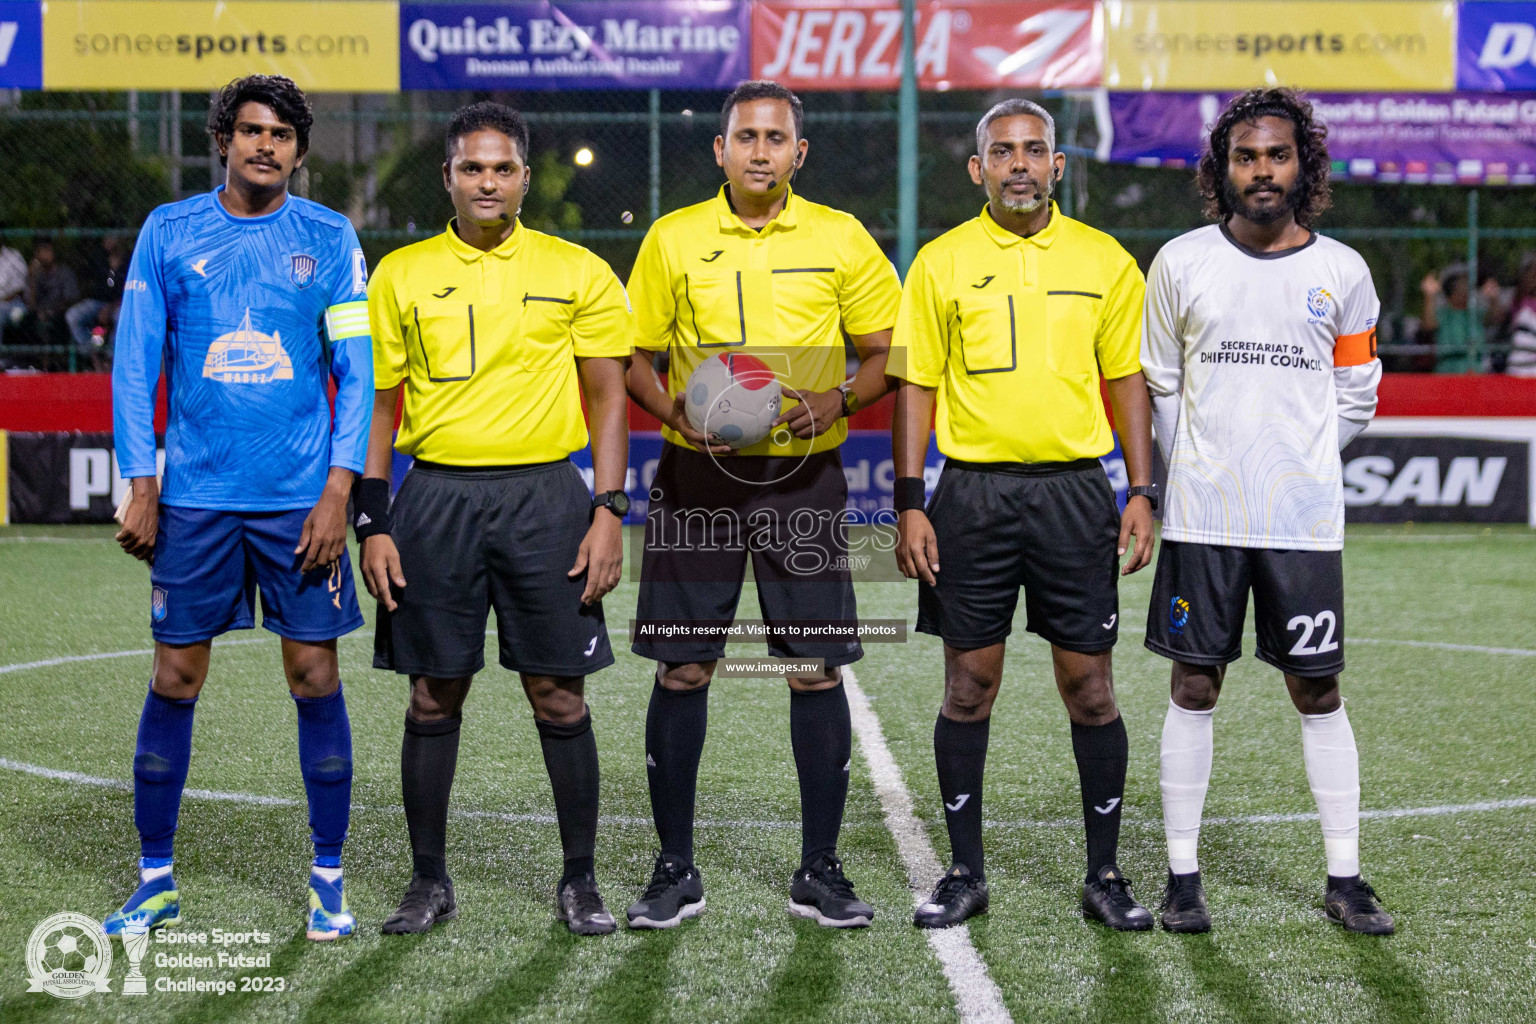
247, 356
69, 956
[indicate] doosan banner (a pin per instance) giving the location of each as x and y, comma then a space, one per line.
960, 44
1414, 138
587, 44
1496, 46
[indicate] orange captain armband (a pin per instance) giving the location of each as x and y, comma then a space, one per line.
1355, 349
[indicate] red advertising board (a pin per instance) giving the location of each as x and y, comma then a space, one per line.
960, 44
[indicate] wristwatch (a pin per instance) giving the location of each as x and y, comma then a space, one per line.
616, 502
850, 398
1149, 492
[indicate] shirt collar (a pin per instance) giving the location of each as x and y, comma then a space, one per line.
1003, 237
468, 253
730, 221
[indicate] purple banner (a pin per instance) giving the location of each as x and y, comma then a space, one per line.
583, 44
1413, 138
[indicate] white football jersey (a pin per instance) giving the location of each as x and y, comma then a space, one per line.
1259, 356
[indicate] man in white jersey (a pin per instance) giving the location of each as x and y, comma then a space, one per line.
1259, 348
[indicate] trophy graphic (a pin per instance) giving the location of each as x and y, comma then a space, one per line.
135, 942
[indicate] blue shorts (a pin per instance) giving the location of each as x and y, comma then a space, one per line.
209, 564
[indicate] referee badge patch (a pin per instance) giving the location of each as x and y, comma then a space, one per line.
304, 269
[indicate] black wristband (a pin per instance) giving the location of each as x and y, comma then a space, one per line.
370, 507
910, 493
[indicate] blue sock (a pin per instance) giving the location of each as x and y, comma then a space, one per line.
325, 759
160, 763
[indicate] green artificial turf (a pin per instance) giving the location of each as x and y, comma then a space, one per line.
1436, 726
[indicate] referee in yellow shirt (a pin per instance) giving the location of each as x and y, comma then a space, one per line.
1012, 318
493, 332
757, 269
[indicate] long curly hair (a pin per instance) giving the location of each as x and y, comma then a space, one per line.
1311, 151
287, 101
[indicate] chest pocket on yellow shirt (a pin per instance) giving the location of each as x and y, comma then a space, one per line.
729, 308
989, 334
546, 333
446, 332
1071, 324
802, 295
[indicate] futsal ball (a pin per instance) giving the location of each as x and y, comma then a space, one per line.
733, 399
70, 949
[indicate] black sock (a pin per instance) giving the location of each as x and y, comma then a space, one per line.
1101, 751
674, 742
822, 737
960, 751
428, 756
570, 757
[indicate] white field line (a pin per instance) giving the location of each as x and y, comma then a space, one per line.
1518, 652
976, 995
1434, 811
610, 820
82, 779
1436, 538
70, 659
56, 540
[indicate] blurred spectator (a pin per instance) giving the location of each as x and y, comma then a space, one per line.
1449, 323
13, 288
1520, 327
51, 289
92, 319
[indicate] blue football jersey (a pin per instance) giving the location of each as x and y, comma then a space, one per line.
250, 317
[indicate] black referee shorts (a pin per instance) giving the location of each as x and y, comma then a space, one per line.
1200, 599
1051, 528
707, 515
472, 539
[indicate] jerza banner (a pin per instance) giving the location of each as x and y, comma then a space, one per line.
1496, 46
959, 44
193, 44
588, 44
1415, 138
21, 44
1318, 44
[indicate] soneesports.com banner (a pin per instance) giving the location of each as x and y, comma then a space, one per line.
193, 44
1413, 138
959, 44
1376, 45
586, 44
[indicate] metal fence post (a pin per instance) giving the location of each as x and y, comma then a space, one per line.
655, 153
1474, 322
906, 149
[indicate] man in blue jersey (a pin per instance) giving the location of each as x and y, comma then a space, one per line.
230, 290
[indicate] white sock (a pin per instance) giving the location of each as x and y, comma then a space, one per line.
150, 874
1185, 774
1333, 772
332, 875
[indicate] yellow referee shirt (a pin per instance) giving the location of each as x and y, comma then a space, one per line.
486, 343
1015, 332
706, 283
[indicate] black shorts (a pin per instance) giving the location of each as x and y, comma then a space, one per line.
1200, 598
1051, 528
707, 515
472, 539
